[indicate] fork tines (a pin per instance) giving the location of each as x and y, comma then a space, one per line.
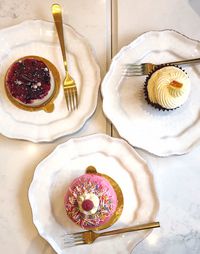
71, 96
136, 69
75, 239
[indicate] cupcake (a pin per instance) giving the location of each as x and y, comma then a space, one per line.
31, 82
167, 87
93, 201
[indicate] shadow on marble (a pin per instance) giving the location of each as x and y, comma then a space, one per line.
195, 4
36, 243
39, 246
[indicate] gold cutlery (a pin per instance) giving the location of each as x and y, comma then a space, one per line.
69, 85
146, 68
88, 237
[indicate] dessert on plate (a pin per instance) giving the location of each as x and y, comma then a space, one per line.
167, 87
93, 200
32, 83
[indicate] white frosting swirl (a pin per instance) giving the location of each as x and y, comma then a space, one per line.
169, 87
93, 198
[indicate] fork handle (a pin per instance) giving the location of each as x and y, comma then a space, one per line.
57, 15
194, 60
130, 229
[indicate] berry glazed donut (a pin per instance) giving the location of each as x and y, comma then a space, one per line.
91, 201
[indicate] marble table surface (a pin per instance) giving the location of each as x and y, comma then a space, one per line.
108, 25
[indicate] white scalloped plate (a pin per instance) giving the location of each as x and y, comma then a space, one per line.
160, 133
69, 160
37, 37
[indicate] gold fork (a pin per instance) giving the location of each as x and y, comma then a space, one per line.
69, 85
146, 68
88, 237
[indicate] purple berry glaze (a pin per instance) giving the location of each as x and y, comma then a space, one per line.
28, 80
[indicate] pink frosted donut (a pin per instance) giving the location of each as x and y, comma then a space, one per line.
90, 201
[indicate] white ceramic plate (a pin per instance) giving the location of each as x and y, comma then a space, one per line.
40, 38
161, 133
110, 156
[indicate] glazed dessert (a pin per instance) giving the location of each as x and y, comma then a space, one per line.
91, 201
30, 81
167, 87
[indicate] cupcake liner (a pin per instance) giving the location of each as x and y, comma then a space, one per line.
156, 105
